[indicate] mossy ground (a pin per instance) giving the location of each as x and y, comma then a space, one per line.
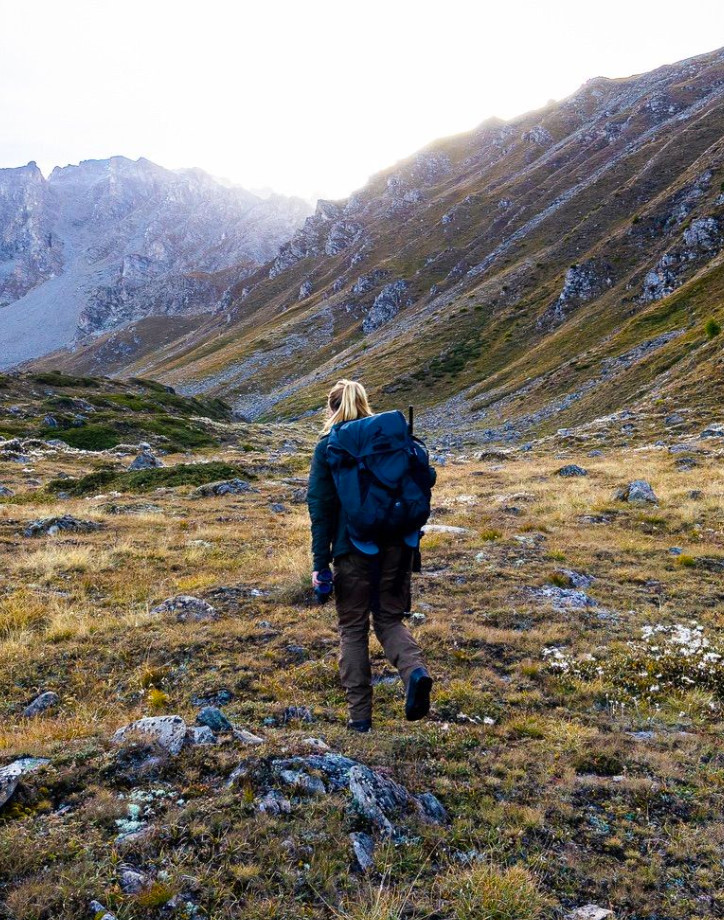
564, 788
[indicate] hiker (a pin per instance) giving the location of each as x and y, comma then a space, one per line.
349, 504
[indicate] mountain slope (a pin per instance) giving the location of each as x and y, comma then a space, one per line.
519, 277
110, 241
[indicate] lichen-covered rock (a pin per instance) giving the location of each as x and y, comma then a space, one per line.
303, 782
589, 912
379, 799
637, 492
713, 431
47, 700
56, 525
5, 492
200, 735
99, 912
168, 732
11, 775
363, 847
186, 608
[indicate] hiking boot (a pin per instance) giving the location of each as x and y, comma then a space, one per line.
417, 702
359, 725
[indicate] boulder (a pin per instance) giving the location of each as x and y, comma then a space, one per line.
637, 492
99, 912
11, 775
222, 487
214, 719
145, 460
5, 492
571, 470
303, 782
56, 525
47, 700
377, 798
186, 608
168, 732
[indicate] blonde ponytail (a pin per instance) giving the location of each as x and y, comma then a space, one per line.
347, 400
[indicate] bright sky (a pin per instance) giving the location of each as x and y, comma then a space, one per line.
307, 97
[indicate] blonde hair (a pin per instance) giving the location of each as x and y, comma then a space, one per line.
346, 401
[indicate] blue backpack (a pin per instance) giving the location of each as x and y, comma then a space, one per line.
383, 477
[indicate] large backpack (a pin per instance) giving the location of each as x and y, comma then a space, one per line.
382, 475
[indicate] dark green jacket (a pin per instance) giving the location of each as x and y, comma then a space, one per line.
329, 525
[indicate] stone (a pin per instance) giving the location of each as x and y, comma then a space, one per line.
11, 775
274, 803
564, 598
186, 608
99, 912
303, 782
5, 492
363, 847
297, 714
132, 881
575, 579
637, 492
432, 809
247, 737
145, 460
55, 525
378, 798
47, 700
595, 453
168, 732
589, 912
214, 719
571, 470
223, 487
713, 431
444, 528
277, 508
200, 735
318, 744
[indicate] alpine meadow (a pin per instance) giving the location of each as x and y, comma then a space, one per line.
547, 292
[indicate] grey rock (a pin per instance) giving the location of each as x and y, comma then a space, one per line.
5, 492
145, 461
363, 847
674, 419
47, 700
246, 737
99, 912
169, 732
297, 714
571, 470
277, 508
378, 799
11, 775
386, 305
713, 431
675, 551
576, 579
214, 719
432, 809
50, 421
637, 492
303, 782
56, 525
589, 912
223, 487
274, 803
564, 598
132, 881
186, 608
200, 735
444, 528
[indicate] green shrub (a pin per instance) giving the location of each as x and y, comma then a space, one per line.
183, 474
86, 437
712, 328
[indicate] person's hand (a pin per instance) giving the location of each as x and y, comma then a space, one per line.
315, 579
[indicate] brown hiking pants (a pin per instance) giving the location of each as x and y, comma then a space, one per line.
354, 575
